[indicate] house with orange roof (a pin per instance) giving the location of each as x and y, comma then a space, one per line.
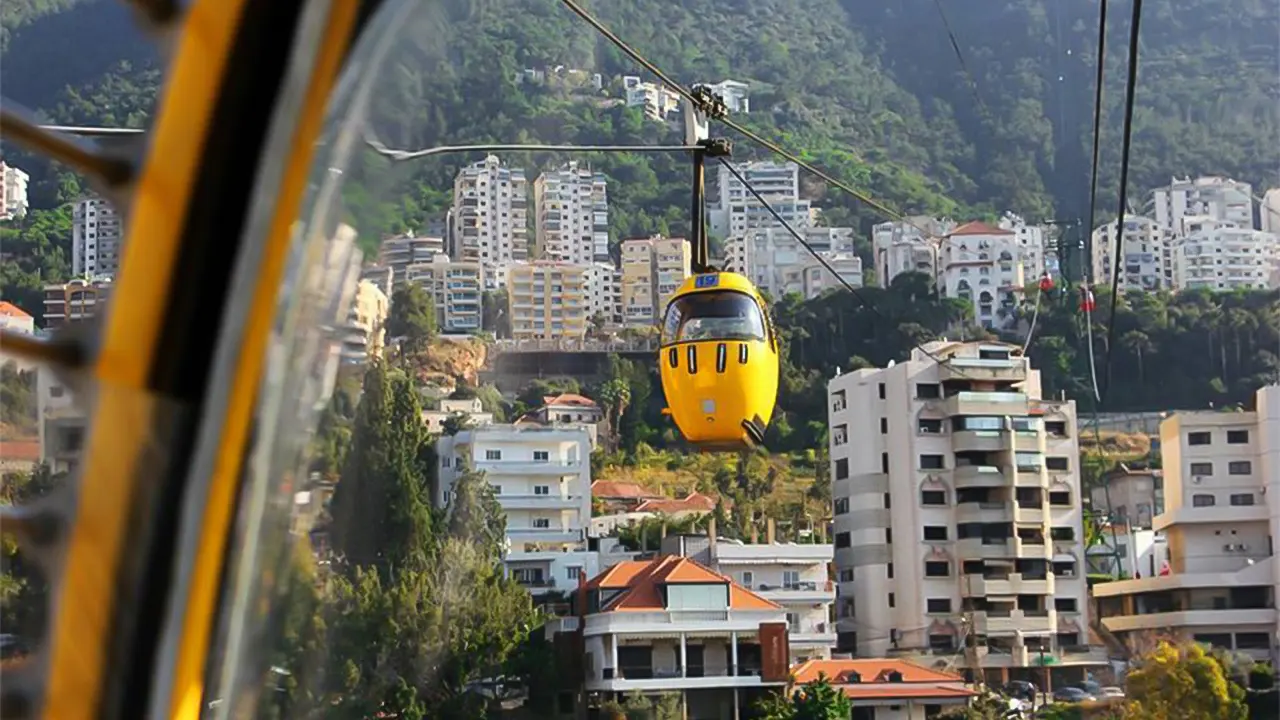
671, 624
15, 319
888, 689
796, 576
695, 503
983, 264
568, 407
620, 496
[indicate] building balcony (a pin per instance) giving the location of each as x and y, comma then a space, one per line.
516, 467
664, 622
1013, 584
984, 548
1030, 515
1010, 622
1165, 621
660, 678
798, 593
539, 502
543, 535
978, 441
976, 476
987, 404
984, 512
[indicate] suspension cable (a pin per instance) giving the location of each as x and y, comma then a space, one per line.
1131, 86
857, 294
1097, 113
964, 66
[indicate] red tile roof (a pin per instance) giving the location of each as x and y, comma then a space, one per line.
608, 489
568, 399
19, 450
694, 502
641, 581
978, 227
9, 309
917, 681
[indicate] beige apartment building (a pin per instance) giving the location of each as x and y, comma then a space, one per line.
957, 514
457, 290
548, 301
652, 270
1221, 476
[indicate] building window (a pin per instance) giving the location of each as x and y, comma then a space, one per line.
842, 469
884, 463
1201, 468
1064, 604
888, 536
841, 506
891, 600
889, 571
541, 522
1202, 501
574, 572
541, 490
937, 568
846, 575
933, 497
1063, 534
1237, 437
928, 391
541, 456
842, 540
938, 605
1060, 497
884, 426
888, 501
1240, 467
932, 462
1057, 463
1239, 499
492, 454
928, 426
935, 532
1198, 438
747, 579
881, 391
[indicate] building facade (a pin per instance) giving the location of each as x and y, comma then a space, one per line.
571, 215
548, 301
456, 288
96, 238
1222, 473
957, 512
13, 192
652, 270
733, 210
1147, 261
1219, 198
490, 214
1222, 256
542, 477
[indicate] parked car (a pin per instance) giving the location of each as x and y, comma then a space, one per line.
1022, 690
1091, 688
1111, 692
1072, 695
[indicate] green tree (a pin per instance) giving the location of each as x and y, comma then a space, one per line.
816, 700
987, 706
413, 317
1177, 681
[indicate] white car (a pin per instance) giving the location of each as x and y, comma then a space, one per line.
1111, 692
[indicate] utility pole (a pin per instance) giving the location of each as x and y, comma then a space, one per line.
1062, 247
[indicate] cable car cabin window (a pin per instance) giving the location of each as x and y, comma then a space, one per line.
724, 315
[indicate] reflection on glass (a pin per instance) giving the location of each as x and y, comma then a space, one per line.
725, 315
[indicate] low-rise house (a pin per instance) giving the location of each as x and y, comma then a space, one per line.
884, 689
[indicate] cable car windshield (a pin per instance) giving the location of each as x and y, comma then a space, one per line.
724, 315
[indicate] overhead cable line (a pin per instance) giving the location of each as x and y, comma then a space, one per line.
964, 66
718, 113
818, 256
1097, 114
1130, 92
447, 149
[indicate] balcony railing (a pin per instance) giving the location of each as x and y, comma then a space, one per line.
649, 672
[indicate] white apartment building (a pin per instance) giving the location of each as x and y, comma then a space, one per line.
364, 333
902, 247
983, 264
604, 293
490, 214
671, 625
736, 95
96, 239
548, 300
733, 210
1220, 255
398, 253
13, 192
1216, 197
1032, 249
1222, 475
957, 511
542, 477
470, 409
773, 260
1269, 211
652, 270
571, 212
457, 290
657, 100
796, 577
1147, 260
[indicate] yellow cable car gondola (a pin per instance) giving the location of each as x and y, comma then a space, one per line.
719, 361
718, 352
